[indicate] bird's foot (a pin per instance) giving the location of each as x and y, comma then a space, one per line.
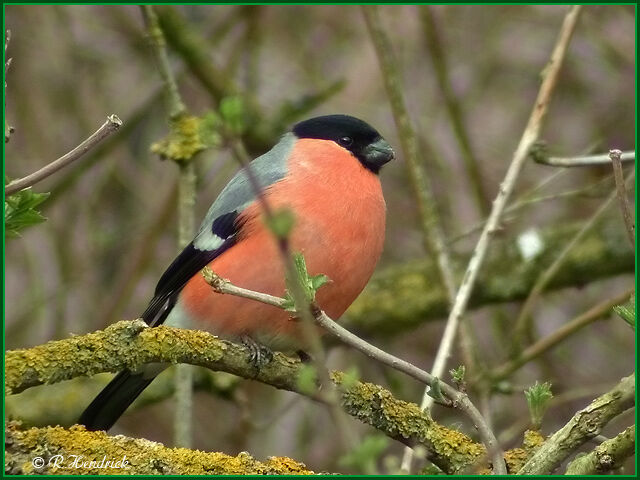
304, 356
259, 354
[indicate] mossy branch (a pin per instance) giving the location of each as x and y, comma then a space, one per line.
607, 456
62, 447
584, 425
403, 297
130, 344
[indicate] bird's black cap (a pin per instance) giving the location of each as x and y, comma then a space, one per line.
351, 133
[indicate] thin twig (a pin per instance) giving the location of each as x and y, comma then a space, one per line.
457, 399
618, 175
521, 324
583, 161
430, 223
8, 129
182, 426
111, 125
176, 105
437, 54
590, 191
569, 328
310, 334
432, 232
529, 136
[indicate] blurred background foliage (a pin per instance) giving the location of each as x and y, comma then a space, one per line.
111, 226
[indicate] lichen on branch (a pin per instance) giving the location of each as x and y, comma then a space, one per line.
130, 344
79, 451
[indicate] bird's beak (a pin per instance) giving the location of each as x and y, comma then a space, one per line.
378, 153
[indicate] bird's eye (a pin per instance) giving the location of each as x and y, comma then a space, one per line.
345, 141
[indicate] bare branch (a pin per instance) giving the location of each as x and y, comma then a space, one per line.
458, 399
623, 199
176, 105
582, 161
569, 328
186, 219
529, 136
111, 125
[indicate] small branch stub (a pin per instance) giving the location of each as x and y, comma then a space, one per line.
112, 124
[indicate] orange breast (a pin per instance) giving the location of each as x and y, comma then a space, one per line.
340, 218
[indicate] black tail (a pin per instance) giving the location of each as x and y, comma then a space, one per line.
116, 397
113, 400
125, 387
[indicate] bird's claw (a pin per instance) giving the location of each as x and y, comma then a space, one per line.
304, 356
259, 354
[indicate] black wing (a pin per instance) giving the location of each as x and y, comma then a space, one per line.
190, 261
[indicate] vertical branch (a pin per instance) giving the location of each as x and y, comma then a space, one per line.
186, 221
8, 129
438, 58
429, 221
433, 235
618, 175
176, 106
529, 137
303, 308
252, 43
182, 427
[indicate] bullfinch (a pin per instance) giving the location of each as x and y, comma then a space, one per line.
326, 171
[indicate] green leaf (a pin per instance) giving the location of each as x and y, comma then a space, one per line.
627, 312
233, 112
435, 391
538, 398
318, 280
20, 212
457, 374
309, 285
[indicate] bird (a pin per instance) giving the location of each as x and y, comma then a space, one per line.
325, 170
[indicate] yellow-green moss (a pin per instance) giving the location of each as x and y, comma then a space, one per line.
187, 136
450, 450
517, 457
143, 456
126, 344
